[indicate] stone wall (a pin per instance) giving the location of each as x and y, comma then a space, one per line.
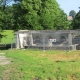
64, 38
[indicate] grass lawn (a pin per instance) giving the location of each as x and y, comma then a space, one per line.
39, 65
8, 36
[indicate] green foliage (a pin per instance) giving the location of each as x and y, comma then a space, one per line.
48, 14
76, 21
43, 14
34, 15
61, 22
2, 16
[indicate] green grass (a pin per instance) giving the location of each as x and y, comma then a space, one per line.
39, 65
8, 35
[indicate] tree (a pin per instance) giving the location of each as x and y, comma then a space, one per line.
35, 15
76, 21
8, 13
72, 13
42, 14
61, 22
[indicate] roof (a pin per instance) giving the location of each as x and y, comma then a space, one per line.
69, 18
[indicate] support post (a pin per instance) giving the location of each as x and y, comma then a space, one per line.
31, 39
70, 40
17, 41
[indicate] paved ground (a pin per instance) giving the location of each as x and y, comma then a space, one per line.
5, 75
3, 59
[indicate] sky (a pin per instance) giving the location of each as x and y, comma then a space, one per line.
68, 5
10, 2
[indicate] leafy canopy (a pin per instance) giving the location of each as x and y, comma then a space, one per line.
34, 15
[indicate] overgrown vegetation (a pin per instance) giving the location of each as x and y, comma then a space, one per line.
39, 65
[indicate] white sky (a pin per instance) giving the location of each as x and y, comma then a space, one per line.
68, 5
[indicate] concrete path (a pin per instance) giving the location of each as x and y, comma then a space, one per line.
3, 59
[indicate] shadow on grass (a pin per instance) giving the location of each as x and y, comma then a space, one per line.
1, 36
5, 46
65, 61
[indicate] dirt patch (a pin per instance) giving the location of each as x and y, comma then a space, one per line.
73, 77
7, 74
61, 57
